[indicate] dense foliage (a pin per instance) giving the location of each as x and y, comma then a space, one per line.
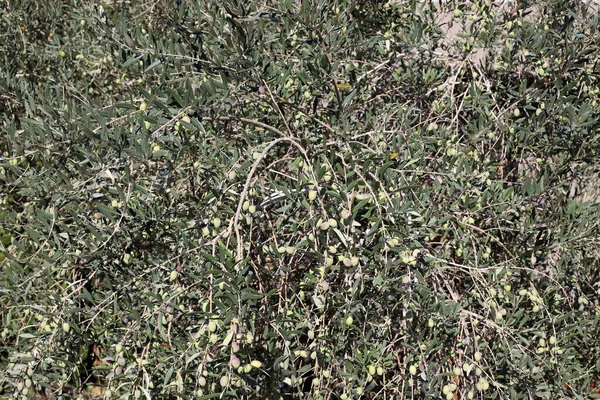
299, 199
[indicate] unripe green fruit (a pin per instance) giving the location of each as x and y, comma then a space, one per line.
324, 226
246, 205
349, 320
345, 214
485, 385
312, 195
224, 381
66, 327
333, 223
517, 112
354, 261
412, 370
173, 275
372, 369
235, 362
478, 356
217, 223
212, 326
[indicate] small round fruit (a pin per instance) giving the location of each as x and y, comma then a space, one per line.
312, 195
224, 381
478, 356
349, 320
212, 326
412, 369
217, 223
143, 106
235, 362
66, 327
517, 112
173, 275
